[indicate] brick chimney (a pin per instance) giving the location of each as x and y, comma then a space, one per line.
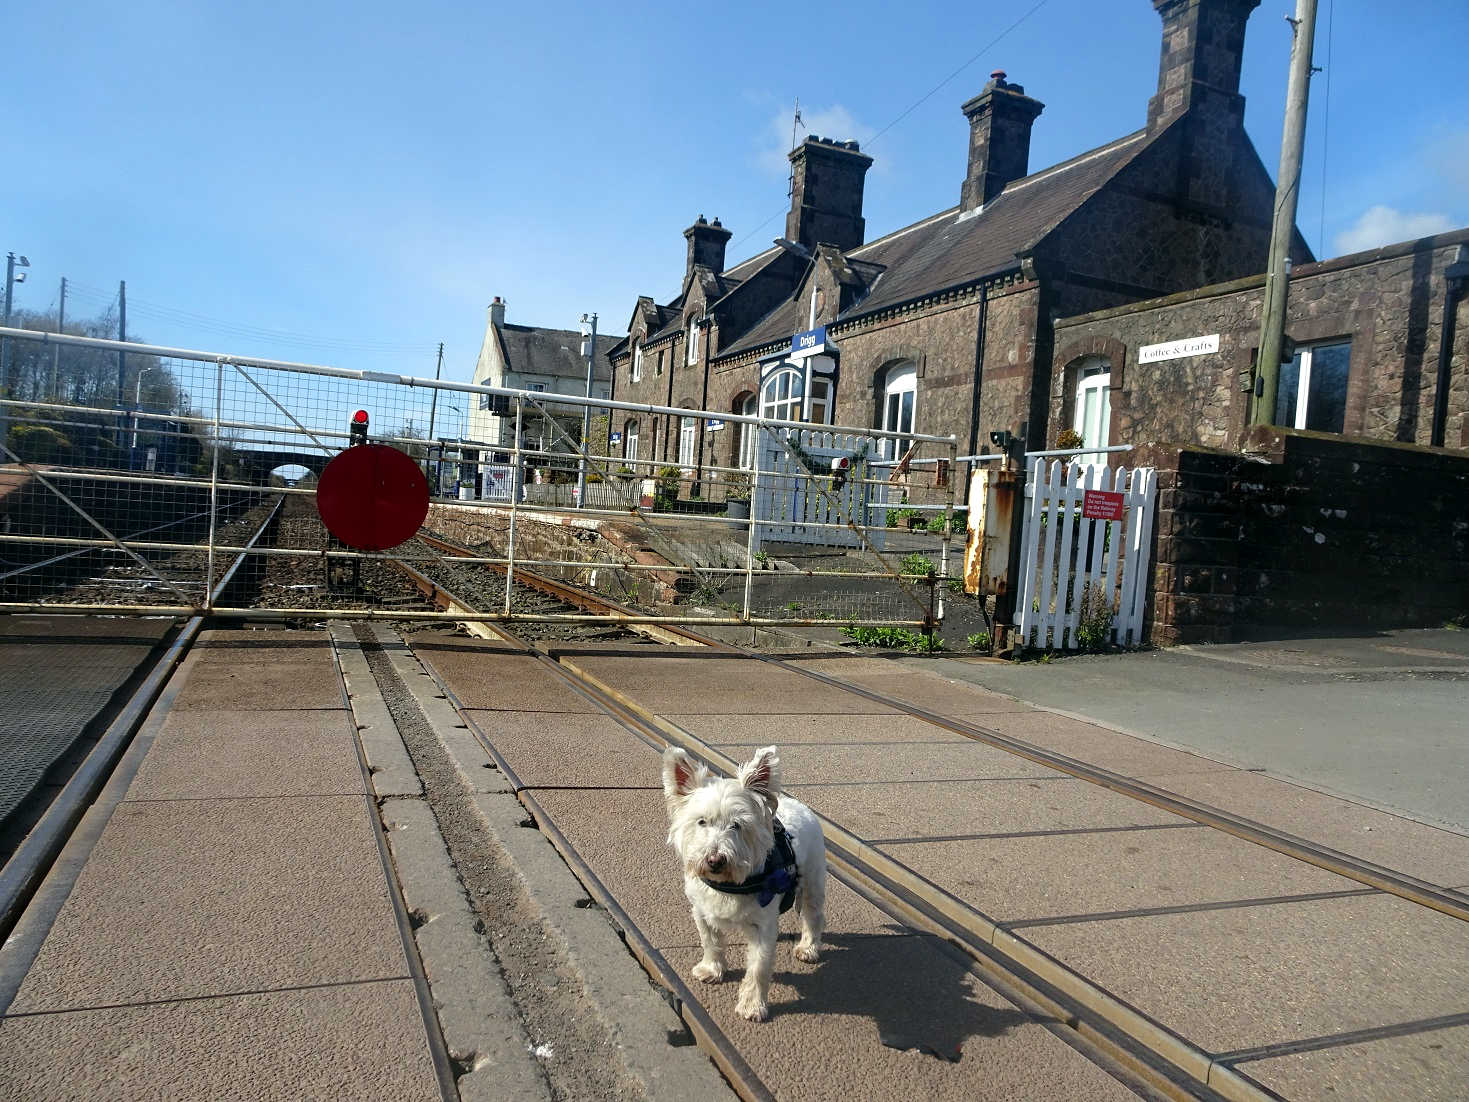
1000, 118
1203, 47
497, 312
826, 194
706, 245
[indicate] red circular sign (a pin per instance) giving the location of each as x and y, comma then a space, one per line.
372, 497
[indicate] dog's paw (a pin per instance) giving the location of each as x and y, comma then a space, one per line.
809, 953
752, 1008
708, 971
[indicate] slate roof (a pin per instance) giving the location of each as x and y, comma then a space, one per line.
533, 351
952, 249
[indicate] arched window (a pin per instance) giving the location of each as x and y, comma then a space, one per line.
693, 342
637, 360
630, 440
782, 397
1092, 414
899, 399
749, 407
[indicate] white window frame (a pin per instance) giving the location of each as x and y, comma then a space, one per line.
630, 440
637, 361
688, 428
896, 415
788, 407
1306, 353
693, 342
748, 432
1093, 381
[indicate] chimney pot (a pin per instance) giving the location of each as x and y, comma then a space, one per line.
827, 178
1000, 118
706, 245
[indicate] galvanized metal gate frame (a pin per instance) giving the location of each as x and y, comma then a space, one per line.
309, 436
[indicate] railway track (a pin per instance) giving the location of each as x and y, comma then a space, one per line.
1160, 1061
1140, 1049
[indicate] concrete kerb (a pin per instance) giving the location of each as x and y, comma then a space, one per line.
481, 1027
391, 769
475, 1011
633, 1011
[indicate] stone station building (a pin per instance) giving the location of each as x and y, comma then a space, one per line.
949, 325
1117, 293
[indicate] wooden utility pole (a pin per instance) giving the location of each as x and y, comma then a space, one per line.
1287, 195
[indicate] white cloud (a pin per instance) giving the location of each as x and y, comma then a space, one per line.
834, 122
1382, 225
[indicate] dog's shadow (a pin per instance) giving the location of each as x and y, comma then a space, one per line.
916, 988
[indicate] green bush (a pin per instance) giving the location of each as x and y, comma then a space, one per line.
917, 564
898, 518
665, 492
39, 444
1095, 621
893, 638
979, 640
961, 520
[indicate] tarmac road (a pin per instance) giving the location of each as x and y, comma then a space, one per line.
1381, 719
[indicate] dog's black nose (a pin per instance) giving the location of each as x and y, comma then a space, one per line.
716, 863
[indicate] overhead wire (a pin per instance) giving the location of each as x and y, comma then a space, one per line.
924, 98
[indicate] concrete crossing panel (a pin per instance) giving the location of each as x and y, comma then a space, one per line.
185, 898
356, 1041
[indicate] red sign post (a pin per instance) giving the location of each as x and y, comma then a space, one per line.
1101, 505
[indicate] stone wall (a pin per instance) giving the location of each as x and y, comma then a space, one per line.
1306, 531
1389, 302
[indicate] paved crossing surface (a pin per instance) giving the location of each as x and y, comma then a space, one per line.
224, 922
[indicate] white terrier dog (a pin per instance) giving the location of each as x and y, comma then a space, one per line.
748, 852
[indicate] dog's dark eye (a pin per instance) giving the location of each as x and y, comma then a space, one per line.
703, 823
735, 825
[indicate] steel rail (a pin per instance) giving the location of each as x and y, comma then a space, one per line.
1077, 1010
986, 941
23, 873
1095, 1018
1447, 901
438, 1048
686, 1005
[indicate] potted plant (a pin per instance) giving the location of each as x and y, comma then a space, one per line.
737, 495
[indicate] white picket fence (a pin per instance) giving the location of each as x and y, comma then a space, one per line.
1075, 569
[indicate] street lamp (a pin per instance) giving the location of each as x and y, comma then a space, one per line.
589, 350
137, 402
463, 431
12, 277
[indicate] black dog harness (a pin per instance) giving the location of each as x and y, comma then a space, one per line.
777, 878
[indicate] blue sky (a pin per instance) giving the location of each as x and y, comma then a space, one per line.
351, 183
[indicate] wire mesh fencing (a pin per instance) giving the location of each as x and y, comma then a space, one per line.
141, 479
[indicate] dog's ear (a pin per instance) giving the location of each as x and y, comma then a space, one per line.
681, 774
761, 775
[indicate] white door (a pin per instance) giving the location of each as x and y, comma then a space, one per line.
1093, 415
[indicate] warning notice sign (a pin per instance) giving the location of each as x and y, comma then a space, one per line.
1101, 505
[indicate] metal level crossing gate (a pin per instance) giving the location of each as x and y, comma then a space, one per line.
135, 479
1085, 549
